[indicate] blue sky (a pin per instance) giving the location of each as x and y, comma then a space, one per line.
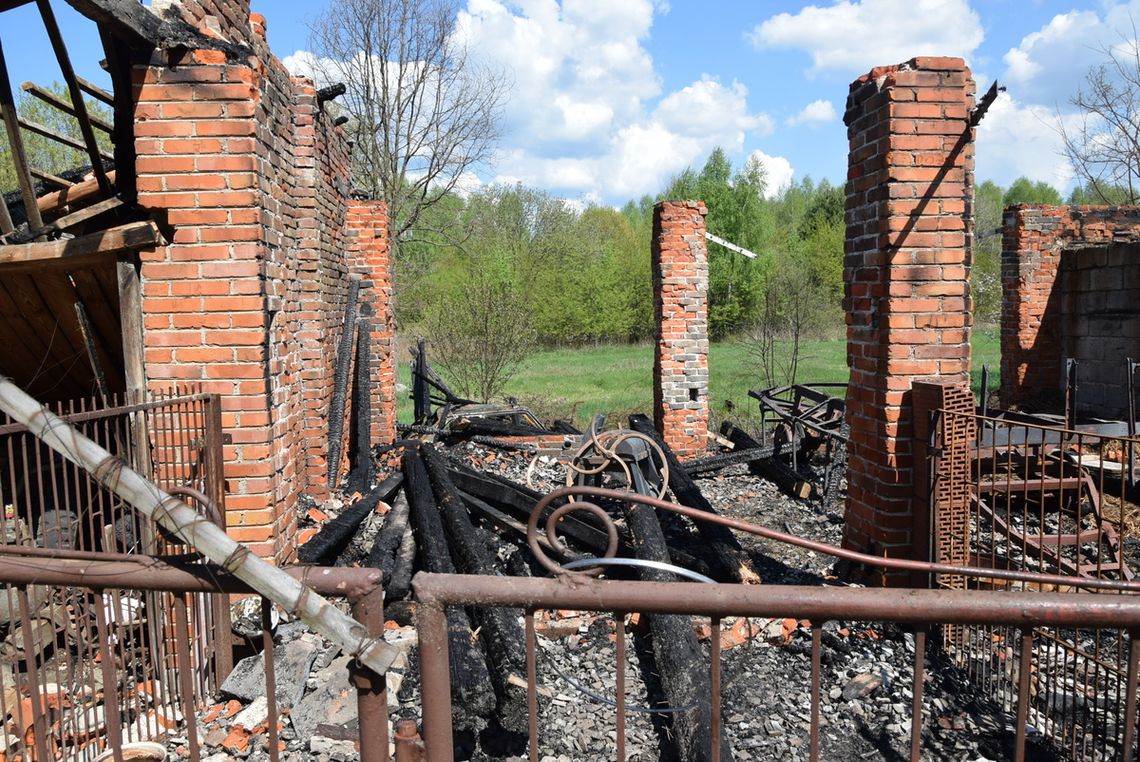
613, 97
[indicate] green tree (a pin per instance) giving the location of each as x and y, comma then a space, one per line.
985, 275
43, 153
1025, 191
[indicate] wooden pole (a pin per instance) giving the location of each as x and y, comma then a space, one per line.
16, 146
196, 530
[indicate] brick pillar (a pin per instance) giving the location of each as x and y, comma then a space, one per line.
204, 309
370, 254
681, 355
906, 270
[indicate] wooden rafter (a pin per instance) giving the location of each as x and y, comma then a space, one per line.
77, 251
79, 108
47, 96
123, 18
78, 194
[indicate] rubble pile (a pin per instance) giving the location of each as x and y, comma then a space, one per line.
867, 672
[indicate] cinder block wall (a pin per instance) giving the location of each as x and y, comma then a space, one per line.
1032, 350
681, 353
252, 181
906, 272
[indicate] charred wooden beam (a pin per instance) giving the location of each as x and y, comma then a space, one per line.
68, 221
50, 179
89, 249
772, 468
730, 560
360, 426
47, 96
80, 194
95, 91
340, 381
327, 544
16, 146
93, 247
472, 694
386, 546
681, 664
517, 500
126, 19
504, 639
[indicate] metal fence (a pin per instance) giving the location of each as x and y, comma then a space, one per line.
80, 667
1056, 501
180, 582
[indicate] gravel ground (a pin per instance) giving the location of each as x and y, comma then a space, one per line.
867, 670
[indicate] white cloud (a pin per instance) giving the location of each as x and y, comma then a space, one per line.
778, 173
814, 114
586, 114
1016, 139
1049, 65
852, 37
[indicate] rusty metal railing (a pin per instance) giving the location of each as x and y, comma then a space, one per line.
1057, 501
179, 581
920, 608
57, 643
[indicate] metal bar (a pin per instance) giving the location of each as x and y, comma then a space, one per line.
816, 679
714, 698
16, 146
818, 547
619, 691
435, 687
1130, 697
110, 681
985, 402
915, 606
371, 689
531, 686
185, 672
39, 710
148, 573
82, 416
1026, 663
80, 108
270, 676
916, 704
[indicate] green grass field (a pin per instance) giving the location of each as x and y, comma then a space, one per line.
617, 380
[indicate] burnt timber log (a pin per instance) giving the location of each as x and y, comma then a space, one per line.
473, 699
783, 475
340, 381
360, 428
728, 558
385, 553
327, 544
502, 631
681, 663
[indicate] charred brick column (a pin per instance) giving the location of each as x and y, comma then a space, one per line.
681, 356
368, 246
1032, 355
907, 266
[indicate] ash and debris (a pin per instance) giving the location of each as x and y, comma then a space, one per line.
867, 668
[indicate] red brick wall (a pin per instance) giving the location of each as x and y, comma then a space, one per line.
906, 270
248, 299
1031, 352
681, 354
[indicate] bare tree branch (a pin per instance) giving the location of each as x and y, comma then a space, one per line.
1103, 145
422, 112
